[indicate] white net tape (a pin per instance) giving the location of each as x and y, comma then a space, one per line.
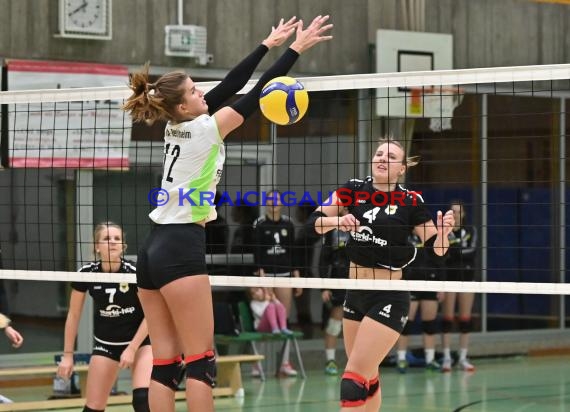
310, 283
324, 83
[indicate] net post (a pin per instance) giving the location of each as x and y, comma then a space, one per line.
562, 208
484, 205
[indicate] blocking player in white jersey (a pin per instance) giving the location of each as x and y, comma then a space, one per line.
174, 287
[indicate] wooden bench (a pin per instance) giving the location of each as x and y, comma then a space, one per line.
229, 383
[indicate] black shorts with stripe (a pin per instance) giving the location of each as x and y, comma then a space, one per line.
113, 351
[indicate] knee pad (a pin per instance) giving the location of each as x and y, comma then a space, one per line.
334, 326
373, 386
407, 329
202, 367
465, 325
353, 390
140, 400
168, 372
429, 327
88, 409
446, 325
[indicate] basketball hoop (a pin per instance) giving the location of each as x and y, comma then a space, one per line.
436, 102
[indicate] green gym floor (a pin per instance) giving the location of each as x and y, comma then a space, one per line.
513, 384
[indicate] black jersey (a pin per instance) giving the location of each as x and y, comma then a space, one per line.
423, 267
274, 244
462, 247
382, 240
334, 261
303, 252
117, 310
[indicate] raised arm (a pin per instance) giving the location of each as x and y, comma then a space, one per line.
327, 217
237, 78
231, 117
435, 238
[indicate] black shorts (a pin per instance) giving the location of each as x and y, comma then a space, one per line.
387, 307
417, 296
465, 274
171, 252
113, 351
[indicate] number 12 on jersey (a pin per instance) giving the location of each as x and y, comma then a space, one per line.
175, 153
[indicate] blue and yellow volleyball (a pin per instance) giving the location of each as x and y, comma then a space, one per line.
284, 100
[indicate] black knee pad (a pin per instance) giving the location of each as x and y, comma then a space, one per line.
429, 327
353, 390
168, 372
88, 409
140, 400
407, 329
465, 325
202, 367
373, 386
446, 325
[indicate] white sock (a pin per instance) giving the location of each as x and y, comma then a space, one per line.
286, 353
330, 354
463, 354
401, 355
430, 355
446, 353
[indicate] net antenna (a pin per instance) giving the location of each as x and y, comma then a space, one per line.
436, 102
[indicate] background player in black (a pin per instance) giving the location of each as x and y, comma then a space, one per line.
274, 236
378, 249
217, 237
243, 239
422, 268
120, 331
303, 253
333, 263
460, 267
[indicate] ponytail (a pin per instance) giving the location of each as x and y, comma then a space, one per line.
150, 102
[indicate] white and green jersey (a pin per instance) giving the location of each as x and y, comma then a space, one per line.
194, 157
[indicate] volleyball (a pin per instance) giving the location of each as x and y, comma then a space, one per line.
284, 100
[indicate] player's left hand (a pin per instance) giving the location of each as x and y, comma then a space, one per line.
280, 33
445, 223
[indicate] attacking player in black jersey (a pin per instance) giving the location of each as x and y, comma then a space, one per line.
120, 331
382, 214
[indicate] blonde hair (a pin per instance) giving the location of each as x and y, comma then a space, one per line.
407, 161
154, 101
97, 232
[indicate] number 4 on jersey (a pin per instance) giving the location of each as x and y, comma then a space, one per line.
371, 214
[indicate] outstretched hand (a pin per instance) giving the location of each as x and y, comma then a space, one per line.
282, 32
313, 34
445, 223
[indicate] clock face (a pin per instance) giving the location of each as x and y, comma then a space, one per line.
85, 16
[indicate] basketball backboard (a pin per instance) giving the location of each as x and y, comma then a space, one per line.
407, 51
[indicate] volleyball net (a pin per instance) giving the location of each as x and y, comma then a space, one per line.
492, 138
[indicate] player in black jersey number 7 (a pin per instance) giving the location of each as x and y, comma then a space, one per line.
174, 287
120, 331
378, 248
